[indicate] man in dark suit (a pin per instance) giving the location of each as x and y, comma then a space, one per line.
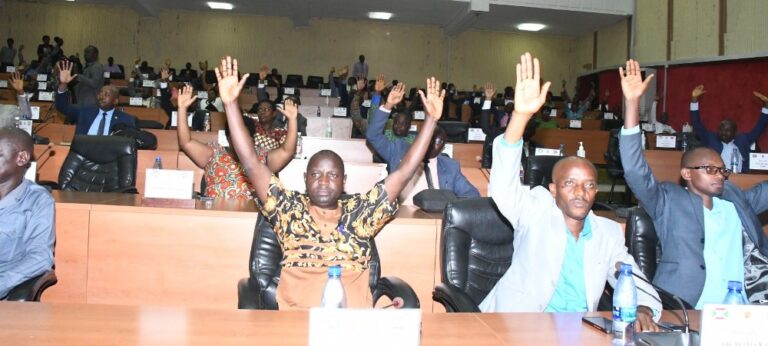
709, 230
90, 120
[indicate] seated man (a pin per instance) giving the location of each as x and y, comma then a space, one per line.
393, 150
27, 231
90, 120
709, 230
564, 253
322, 228
727, 141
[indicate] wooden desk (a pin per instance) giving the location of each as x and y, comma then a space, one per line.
78, 324
595, 142
665, 166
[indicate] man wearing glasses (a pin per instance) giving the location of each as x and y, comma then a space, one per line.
709, 230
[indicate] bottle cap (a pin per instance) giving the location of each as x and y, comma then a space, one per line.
626, 269
734, 285
334, 271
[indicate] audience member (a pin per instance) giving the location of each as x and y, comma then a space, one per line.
27, 233
97, 119
57, 52
7, 55
727, 140
187, 74
112, 67
17, 83
90, 80
321, 227
44, 48
709, 230
564, 253
360, 69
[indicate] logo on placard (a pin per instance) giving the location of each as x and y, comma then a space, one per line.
719, 313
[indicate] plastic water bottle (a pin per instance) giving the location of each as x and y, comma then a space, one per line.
333, 292
299, 148
158, 163
734, 296
328, 129
684, 143
624, 308
735, 160
562, 149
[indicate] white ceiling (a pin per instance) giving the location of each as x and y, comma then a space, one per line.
503, 14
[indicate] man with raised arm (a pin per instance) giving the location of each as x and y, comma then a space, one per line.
727, 140
322, 228
708, 229
564, 253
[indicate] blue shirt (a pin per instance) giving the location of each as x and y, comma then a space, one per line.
723, 251
94, 129
571, 294
27, 234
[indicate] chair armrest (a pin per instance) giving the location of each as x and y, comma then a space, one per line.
49, 185
32, 289
392, 287
128, 189
248, 296
453, 299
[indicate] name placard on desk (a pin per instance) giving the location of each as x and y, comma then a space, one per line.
734, 325
26, 125
546, 152
45, 96
666, 142
10, 69
42, 77
339, 111
288, 91
553, 113
476, 134
608, 116
175, 119
42, 85
419, 115
331, 327
413, 128
31, 173
758, 161
325, 92
203, 95
35, 112
3, 83
148, 83
477, 100
574, 124
135, 101
107, 75
168, 183
367, 103
145, 75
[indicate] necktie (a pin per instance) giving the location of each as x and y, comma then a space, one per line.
102, 122
428, 174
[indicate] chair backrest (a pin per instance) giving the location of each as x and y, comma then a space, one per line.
99, 163
613, 155
294, 80
313, 82
475, 246
455, 131
641, 241
538, 170
267, 255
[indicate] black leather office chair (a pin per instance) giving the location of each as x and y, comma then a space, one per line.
100, 163
314, 82
475, 251
455, 131
643, 244
294, 81
258, 291
613, 165
32, 289
538, 170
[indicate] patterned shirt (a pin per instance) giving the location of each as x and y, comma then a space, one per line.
264, 141
225, 177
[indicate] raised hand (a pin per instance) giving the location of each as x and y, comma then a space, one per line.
165, 73
229, 86
395, 96
433, 101
168, 62
186, 97
490, 91
530, 95
632, 84
291, 110
17, 83
203, 65
380, 84
761, 97
697, 92
65, 72
263, 72
137, 61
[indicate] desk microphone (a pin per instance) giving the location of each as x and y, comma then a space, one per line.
397, 303
47, 149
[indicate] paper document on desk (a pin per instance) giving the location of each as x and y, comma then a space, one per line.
333, 327
168, 183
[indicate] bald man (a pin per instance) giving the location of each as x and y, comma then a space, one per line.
564, 253
708, 229
27, 230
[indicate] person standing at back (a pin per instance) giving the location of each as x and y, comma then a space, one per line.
360, 70
90, 81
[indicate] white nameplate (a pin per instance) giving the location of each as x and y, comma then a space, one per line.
10, 69
339, 111
477, 100
135, 101
107, 74
3, 83
203, 95
332, 327
168, 183
367, 103
687, 128
42, 77
734, 325
546, 152
35, 112
222, 139
553, 113
608, 116
42, 85
31, 173
175, 119
163, 85
574, 124
158, 93
147, 83
288, 91
448, 150
418, 115
758, 161
666, 141
476, 134
26, 125
45, 96
648, 127
413, 128
145, 75
325, 92
261, 85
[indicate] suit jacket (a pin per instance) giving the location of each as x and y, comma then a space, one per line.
89, 83
678, 216
448, 170
83, 116
540, 241
742, 140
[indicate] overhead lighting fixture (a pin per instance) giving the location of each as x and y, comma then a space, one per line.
531, 26
70, 0
220, 5
380, 15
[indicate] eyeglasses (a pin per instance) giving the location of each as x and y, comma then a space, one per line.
713, 170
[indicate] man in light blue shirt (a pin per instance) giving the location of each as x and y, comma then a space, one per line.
27, 230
